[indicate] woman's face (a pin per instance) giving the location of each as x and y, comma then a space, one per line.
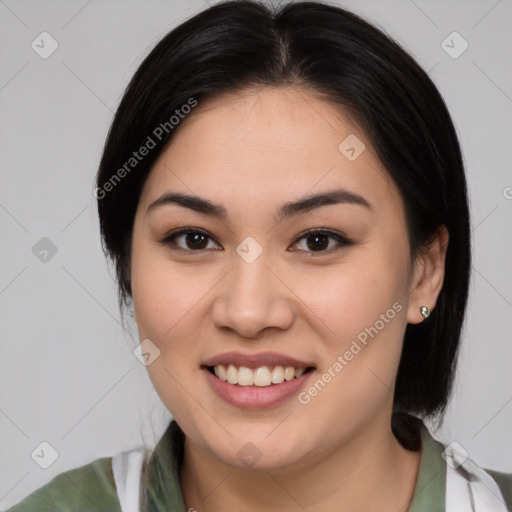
252, 290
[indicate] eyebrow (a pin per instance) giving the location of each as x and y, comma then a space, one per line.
303, 205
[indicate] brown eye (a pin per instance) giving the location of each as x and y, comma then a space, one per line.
318, 240
193, 239
196, 240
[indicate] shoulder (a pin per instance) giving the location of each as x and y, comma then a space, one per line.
433, 453
87, 488
504, 481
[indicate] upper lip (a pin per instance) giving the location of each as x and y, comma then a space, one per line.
255, 360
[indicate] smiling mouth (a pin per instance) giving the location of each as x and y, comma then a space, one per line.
262, 376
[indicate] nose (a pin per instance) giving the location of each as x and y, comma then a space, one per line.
253, 297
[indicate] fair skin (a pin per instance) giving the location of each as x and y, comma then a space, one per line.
251, 152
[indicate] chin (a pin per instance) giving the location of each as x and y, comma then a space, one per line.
258, 448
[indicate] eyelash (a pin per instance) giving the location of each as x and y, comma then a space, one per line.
168, 240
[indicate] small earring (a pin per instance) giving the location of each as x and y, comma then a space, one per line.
424, 311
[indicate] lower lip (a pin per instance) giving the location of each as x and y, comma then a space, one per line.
255, 397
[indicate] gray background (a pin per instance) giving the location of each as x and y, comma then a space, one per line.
68, 374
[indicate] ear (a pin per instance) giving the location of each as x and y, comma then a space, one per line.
428, 276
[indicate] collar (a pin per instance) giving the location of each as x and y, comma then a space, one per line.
430, 490
163, 474
163, 490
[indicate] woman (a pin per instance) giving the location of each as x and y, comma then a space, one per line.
283, 196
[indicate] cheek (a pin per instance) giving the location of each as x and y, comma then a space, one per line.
165, 294
360, 308
168, 307
162, 302
352, 298
167, 302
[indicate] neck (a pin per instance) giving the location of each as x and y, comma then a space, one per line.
370, 472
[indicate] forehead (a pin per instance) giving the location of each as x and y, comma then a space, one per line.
271, 145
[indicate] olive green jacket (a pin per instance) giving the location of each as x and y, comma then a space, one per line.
92, 487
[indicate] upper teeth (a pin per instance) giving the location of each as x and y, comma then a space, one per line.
262, 376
